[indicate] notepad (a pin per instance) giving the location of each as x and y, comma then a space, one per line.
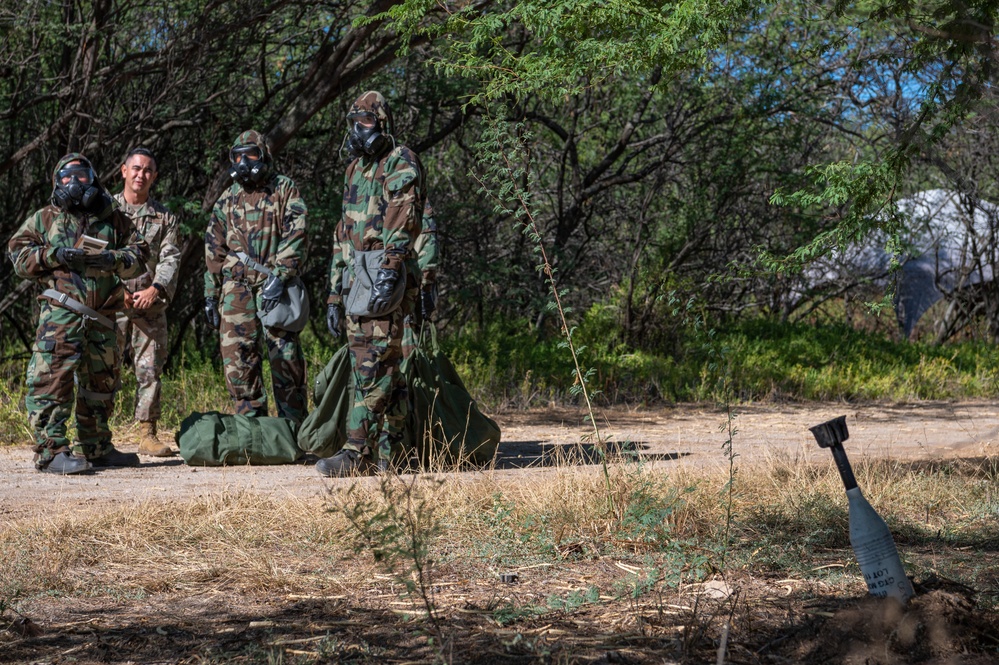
90, 244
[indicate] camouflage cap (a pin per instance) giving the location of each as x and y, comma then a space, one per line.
66, 159
374, 102
253, 137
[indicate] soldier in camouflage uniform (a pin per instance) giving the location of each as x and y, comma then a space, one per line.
79, 249
259, 221
144, 324
383, 200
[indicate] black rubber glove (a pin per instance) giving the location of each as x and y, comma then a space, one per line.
381, 290
334, 320
271, 293
212, 312
72, 258
104, 261
428, 303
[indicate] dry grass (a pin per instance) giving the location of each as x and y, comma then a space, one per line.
249, 542
609, 567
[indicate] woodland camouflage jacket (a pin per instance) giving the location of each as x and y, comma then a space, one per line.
427, 248
267, 223
383, 203
33, 247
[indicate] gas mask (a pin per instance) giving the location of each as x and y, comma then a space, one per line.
247, 165
76, 189
364, 135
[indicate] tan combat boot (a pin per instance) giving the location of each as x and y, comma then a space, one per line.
149, 444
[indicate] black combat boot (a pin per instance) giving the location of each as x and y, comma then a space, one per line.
115, 457
66, 463
344, 463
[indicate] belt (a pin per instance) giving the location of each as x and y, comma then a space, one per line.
78, 307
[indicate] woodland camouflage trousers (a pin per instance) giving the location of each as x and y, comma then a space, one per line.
240, 335
69, 350
145, 331
380, 405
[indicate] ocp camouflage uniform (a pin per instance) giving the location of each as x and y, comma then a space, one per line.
146, 329
67, 344
383, 203
268, 224
427, 250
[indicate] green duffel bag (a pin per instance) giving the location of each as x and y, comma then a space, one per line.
225, 439
445, 424
324, 430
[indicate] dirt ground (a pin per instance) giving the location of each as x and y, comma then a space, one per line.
738, 619
680, 436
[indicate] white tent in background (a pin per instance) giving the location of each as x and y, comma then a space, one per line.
952, 246
948, 243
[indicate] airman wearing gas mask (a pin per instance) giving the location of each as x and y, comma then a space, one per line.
79, 249
255, 243
374, 282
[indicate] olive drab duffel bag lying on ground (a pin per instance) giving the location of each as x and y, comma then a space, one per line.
224, 439
444, 425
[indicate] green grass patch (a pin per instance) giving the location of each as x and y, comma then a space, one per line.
508, 364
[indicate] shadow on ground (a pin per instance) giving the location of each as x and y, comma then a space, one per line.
535, 454
937, 626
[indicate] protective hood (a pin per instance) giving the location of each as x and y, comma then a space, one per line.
253, 137
81, 192
71, 157
374, 102
250, 173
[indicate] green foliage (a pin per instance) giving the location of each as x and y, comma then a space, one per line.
783, 535
837, 362
943, 54
571, 45
396, 526
511, 536
646, 508
511, 613
728, 492
573, 601
645, 138
865, 189
508, 181
506, 364
14, 426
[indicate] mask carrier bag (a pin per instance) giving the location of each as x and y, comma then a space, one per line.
366, 266
292, 311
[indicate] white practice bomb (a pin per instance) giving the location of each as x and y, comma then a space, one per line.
869, 535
